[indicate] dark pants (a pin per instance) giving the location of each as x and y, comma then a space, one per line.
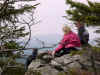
64, 51
31, 57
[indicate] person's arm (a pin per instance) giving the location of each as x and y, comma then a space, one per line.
80, 32
61, 45
86, 36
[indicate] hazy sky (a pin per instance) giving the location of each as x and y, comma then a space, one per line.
50, 13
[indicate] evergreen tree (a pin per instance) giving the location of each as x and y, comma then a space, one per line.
10, 28
87, 13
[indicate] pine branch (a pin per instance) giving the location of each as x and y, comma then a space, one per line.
88, 14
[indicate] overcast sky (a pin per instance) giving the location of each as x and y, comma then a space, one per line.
50, 13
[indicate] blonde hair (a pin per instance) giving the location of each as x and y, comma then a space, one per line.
66, 29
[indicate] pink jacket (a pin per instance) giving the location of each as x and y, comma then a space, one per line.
69, 40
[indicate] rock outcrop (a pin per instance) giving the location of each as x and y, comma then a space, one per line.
46, 65
0, 70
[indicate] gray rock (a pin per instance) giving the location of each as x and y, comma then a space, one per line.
35, 64
0, 70
48, 66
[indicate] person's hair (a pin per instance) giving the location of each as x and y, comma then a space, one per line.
66, 29
81, 23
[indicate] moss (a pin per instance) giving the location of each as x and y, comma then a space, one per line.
77, 71
6, 54
73, 71
33, 72
14, 71
61, 73
18, 70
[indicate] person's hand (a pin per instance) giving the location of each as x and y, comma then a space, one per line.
53, 53
49, 52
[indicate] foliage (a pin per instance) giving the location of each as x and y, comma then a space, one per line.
18, 70
74, 71
10, 27
15, 71
77, 52
61, 73
33, 72
10, 13
96, 49
86, 13
12, 45
12, 30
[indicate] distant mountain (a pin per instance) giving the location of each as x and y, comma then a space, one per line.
50, 39
47, 39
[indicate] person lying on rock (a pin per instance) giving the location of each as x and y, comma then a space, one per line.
82, 33
69, 42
